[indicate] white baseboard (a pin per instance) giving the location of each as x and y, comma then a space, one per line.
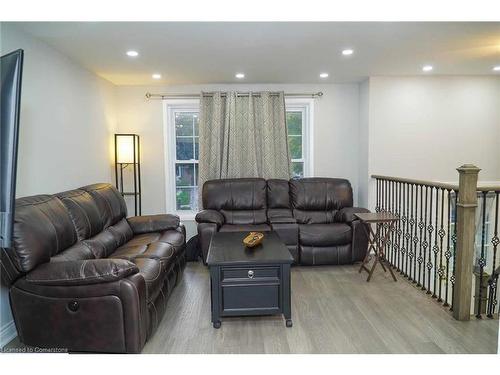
7, 333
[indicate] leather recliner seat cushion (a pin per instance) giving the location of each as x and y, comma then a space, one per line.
156, 250
170, 237
152, 271
325, 234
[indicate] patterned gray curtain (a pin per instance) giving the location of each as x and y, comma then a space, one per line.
243, 136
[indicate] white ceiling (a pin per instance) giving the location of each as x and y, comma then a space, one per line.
275, 52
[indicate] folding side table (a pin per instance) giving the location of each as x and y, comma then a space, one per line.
375, 241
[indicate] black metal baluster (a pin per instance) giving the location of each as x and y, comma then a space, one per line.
447, 254
421, 227
404, 239
411, 242
415, 238
387, 244
393, 228
399, 230
482, 259
428, 242
442, 233
425, 244
493, 281
435, 248
377, 206
454, 241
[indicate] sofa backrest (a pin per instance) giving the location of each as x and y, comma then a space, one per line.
42, 229
241, 201
316, 200
278, 198
109, 201
84, 223
83, 211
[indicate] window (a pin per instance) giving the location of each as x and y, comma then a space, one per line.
295, 146
298, 120
186, 160
182, 153
181, 129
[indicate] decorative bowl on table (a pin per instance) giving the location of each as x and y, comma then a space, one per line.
253, 239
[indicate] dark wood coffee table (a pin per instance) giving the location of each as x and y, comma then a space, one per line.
249, 281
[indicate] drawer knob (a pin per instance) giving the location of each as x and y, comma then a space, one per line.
250, 274
73, 306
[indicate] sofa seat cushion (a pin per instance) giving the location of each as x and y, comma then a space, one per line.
325, 234
174, 238
144, 239
245, 228
156, 250
152, 271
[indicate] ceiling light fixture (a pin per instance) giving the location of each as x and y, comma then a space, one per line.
323, 75
496, 68
427, 68
347, 52
240, 75
156, 76
132, 53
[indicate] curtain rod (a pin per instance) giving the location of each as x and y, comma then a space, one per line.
196, 96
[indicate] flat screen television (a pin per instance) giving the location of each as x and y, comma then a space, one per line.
11, 69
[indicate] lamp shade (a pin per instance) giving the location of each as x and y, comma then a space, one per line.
125, 148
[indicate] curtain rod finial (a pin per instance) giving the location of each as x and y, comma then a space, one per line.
320, 94
148, 95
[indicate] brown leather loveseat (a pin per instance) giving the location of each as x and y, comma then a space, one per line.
313, 216
84, 277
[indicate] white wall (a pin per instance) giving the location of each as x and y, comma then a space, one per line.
426, 127
335, 131
363, 155
66, 126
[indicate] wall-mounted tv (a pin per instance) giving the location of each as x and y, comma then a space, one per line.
11, 69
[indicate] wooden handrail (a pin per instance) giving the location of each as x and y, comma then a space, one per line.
417, 182
488, 188
441, 185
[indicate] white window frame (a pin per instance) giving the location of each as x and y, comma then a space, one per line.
170, 107
306, 106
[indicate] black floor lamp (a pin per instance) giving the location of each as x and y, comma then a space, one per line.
128, 153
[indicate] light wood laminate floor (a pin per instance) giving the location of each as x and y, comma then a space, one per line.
334, 310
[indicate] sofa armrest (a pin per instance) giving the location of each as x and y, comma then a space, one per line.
282, 220
346, 214
210, 216
153, 223
81, 272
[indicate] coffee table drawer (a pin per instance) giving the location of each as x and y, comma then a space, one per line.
250, 299
250, 274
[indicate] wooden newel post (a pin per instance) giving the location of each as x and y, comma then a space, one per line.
466, 232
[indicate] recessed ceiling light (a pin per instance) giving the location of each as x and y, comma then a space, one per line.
132, 53
156, 76
427, 68
496, 68
240, 75
347, 52
324, 75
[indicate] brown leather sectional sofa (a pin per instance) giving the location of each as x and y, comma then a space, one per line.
84, 277
313, 216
